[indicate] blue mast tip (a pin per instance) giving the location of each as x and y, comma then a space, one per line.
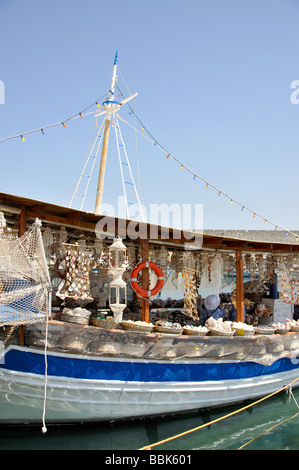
115, 59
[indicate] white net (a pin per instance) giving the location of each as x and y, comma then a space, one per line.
24, 279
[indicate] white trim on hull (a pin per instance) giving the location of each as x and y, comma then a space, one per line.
81, 400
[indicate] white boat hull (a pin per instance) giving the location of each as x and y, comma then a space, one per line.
73, 400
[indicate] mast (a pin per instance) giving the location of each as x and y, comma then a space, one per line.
108, 105
110, 108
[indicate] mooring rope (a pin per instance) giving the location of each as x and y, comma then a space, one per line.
291, 395
285, 387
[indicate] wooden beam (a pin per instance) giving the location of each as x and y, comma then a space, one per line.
61, 220
240, 285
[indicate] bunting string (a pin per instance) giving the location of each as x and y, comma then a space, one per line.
195, 176
41, 129
143, 131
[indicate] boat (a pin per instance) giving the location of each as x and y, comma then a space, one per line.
65, 366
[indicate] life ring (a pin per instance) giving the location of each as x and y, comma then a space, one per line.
136, 286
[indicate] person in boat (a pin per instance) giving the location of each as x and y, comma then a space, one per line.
211, 309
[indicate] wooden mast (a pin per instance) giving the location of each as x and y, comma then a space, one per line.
110, 107
100, 189
109, 110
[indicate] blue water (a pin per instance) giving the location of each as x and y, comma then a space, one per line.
229, 434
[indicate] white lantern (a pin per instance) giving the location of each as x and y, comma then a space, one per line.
117, 287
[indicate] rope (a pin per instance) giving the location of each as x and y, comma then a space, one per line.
41, 129
291, 395
195, 176
44, 428
149, 447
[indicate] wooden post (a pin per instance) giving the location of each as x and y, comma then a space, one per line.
145, 279
240, 285
22, 221
100, 189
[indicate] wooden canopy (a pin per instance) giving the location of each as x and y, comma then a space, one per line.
20, 212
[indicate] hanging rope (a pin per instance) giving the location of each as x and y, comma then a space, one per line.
44, 428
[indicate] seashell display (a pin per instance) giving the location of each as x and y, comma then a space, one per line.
190, 292
219, 326
76, 274
281, 328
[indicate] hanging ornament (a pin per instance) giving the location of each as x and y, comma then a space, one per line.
77, 284
82, 242
48, 241
162, 259
62, 235
2, 223
190, 291
117, 287
216, 274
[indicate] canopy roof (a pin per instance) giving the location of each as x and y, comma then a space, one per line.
20, 210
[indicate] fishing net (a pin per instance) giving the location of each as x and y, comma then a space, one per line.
24, 279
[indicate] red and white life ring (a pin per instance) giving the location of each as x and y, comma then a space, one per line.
136, 286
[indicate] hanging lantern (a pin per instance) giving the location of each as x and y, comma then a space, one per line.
2, 223
117, 287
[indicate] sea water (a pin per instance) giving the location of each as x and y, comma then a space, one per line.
228, 434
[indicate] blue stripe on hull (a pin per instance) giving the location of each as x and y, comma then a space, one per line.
87, 368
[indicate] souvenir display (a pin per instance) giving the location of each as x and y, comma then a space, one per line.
281, 328
48, 241
176, 261
190, 292
137, 325
162, 259
250, 265
242, 329
117, 287
195, 330
76, 283
168, 327
2, 223
289, 286
271, 265
216, 274
101, 257
219, 327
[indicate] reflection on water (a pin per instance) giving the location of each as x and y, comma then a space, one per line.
228, 434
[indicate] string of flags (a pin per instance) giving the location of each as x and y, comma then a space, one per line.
208, 184
41, 129
169, 155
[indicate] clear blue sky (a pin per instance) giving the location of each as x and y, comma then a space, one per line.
214, 83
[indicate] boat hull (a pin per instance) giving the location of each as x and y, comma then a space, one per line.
82, 388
